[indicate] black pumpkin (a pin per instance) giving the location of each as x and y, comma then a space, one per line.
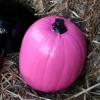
3, 36
16, 19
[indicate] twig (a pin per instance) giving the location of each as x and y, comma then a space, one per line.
75, 14
96, 93
92, 52
95, 41
84, 91
37, 96
15, 95
84, 96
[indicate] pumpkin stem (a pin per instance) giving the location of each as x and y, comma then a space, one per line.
59, 26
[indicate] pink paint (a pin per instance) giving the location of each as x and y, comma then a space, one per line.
50, 61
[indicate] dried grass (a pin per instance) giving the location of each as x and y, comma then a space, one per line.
84, 13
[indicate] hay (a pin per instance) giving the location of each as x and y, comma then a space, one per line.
13, 87
84, 13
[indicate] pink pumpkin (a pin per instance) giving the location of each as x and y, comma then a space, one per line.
52, 54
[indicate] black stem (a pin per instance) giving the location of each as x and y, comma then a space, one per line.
59, 26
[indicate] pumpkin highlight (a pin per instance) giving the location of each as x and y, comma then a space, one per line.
52, 54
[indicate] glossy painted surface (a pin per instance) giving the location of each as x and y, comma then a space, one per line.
50, 61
